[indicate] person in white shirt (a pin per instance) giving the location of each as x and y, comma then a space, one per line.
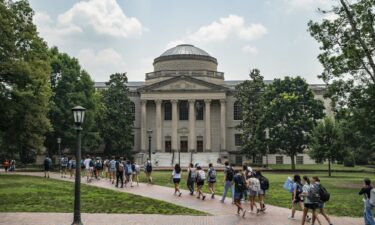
176, 176
87, 167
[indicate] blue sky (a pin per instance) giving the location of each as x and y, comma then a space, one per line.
110, 36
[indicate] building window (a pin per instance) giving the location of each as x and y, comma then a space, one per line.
132, 110
183, 144
184, 110
237, 110
168, 144
238, 160
199, 143
300, 159
238, 140
199, 110
279, 159
167, 111
258, 160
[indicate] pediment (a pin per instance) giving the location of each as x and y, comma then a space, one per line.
183, 83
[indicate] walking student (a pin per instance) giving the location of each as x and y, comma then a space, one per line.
120, 171
47, 166
6, 165
228, 181
64, 165
128, 173
367, 199
296, 195
72, 167
254, 188
136, 172
191, 178
176, 176
264, 186
309, 199
211, 179
320, 206
112, 170
239, 189
87, 163
201, 177
148, 171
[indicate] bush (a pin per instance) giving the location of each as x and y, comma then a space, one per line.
349, 161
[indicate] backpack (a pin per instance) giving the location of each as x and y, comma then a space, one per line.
372, 197
128, 169
288, 185
255, 184
264, 183
313, 194
112, 164
240, 183
148, 168
99, 165
230, 174
121, 167
201, 176
46, 162
212, 174
91, 163
64, 161
324, 194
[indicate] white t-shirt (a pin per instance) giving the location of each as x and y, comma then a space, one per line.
176, 175
87, 163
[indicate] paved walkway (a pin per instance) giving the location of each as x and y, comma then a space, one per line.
222, 214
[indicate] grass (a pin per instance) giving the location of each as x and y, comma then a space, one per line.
343, 187
34, 194
337, 167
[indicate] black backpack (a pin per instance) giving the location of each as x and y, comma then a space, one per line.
264, 183
324, 194
240, 182
148, 168
314, 194
230, 174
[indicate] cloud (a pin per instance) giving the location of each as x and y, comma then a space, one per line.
250, 49
227, 27
102, 63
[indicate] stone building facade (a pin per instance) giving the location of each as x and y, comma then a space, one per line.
191, 110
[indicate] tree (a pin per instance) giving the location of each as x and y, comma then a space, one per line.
24, 82
290, 114
348, 55
71, 86
117, 121
250, 95
327, 143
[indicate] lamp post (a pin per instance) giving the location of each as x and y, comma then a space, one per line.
78, 115
59, 142
267, 138
149, 132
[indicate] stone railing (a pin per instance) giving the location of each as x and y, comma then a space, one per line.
193, 73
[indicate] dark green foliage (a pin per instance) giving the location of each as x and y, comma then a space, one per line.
116, 122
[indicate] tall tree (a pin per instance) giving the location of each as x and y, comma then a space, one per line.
117, 120
327, 142
250, 95
24, 82
348, 55
71, 86
291, 113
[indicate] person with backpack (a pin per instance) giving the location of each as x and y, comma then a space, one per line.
72, 166
92, 168
176, 177
228, 181
112, 170
368, 193
264, 186
106, 168
120, 167
201, 177
12, 165
136, 171
254, 187
63, 165
98, 168
87, 163
148, 171
324, 197
311, 199
47, 166
239, 188
296, 191
128, 173
211, 179
191, 171
246, 172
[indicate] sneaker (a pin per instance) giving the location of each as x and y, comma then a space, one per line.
243, 213
198, 197
258, 211
213, 196
203, 198
180, 194
291, 218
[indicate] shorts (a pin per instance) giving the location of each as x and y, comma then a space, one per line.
320, 205
253, 193
63, 167
112, 170
200, 183
47, 168
212, 181
298, 199
261, 192
176, 180
311, 205
238, 195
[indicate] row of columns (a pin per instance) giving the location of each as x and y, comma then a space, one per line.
192, 135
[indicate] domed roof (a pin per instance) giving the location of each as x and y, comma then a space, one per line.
184, 49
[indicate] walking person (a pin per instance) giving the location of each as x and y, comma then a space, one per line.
63, 165
211, 179
176, 176
239, 189
246, 173
128, 173
296, 195
309, 199
201, 177
98, 168
120, 171
136, 172
6, 165
191, 178
12, 165
47, 166
228, 181
367, 197
264, 186
254, 187
72, 167
112, 170
88, 162
106, 168
148, 171
321, 204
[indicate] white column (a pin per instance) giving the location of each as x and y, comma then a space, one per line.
192, 136
223, 124
158, 125
174, 124
207, 118
143, 125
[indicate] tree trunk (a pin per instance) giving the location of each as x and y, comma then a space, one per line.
329, 167
293, 162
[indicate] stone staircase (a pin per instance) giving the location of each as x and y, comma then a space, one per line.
164, 159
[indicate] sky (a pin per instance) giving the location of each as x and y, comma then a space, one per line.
109, 36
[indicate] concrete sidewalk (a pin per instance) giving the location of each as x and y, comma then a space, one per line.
223, 213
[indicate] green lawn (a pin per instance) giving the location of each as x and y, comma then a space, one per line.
321, 167
344, 188
34, 194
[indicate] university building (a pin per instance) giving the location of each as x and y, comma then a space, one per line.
192, 112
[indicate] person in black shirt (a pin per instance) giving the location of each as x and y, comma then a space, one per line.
366, 192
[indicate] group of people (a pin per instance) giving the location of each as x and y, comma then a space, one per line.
9, 166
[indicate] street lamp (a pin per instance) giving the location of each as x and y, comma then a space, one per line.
78, 115
149, 132
59, 142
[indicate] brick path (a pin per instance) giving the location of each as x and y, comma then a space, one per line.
223, 214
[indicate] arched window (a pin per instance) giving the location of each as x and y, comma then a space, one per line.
237, 110
132, 110
167, 111
184, 110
